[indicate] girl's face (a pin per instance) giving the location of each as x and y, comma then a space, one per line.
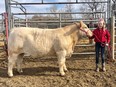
100, 24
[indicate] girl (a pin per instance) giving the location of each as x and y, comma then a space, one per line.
102, 38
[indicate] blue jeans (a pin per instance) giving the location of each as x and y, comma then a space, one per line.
99, 48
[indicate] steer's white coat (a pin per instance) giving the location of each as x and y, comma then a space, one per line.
39, 42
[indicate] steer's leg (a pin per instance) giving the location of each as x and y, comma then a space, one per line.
65, 68
11, 61
61, 60
19, 63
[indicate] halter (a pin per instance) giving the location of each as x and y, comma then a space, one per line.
82, 29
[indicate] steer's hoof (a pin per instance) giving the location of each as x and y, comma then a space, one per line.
10, 75
62, 74
66, 70
20, 72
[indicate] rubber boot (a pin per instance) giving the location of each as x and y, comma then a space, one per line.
97, 67
103, 67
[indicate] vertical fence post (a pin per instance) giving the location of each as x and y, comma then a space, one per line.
8, 11
60, 20
3, 22
6, 24
113, 35
13, 21
26, 20
6, 29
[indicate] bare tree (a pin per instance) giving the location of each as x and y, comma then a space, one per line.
53, 9
93, 7
114, 7
68, 9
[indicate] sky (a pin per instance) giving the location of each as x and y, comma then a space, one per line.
34, 8
2, 6
39, 8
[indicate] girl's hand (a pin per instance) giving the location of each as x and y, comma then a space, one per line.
107, 44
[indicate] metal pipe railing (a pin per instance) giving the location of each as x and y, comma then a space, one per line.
59, 13
76, 2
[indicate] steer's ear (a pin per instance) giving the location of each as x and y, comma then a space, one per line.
81, 24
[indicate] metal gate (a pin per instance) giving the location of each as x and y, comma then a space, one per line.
14, 21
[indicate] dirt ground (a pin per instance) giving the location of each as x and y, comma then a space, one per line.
43, 72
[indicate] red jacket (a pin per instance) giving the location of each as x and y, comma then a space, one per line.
101, 35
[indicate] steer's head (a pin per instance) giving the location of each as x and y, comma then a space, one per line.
84, 28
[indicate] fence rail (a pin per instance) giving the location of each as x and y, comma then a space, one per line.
58, 13
76, 2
